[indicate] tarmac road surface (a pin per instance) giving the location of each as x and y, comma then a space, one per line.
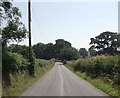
60, 81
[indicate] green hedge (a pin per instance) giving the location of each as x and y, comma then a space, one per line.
104, 66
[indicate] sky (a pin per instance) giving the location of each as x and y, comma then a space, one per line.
75, 22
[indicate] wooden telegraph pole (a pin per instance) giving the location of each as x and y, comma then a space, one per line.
31, 66
29, 21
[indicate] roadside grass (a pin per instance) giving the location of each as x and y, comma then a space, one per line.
22, 81
111, 90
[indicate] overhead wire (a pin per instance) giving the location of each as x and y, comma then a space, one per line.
38, 25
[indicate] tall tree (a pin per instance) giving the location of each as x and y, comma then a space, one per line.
11, 30
60, 44
83, 52
39, 49
68, 53
49, 51
106, 43
14, 29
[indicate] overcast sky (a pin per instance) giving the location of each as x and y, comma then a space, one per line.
75, 22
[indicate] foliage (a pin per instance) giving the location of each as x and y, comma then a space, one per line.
60, 50
14, 48
68, 53
13, 29
59, 45
83, 52
12, 62
103, 66
43, 63
106, 43
22, 81
8, 11
25, 52
49, 51
21, 49
39, 49
13, 32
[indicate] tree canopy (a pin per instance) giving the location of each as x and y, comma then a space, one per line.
60, 50
106, 43
13, 29
83, 52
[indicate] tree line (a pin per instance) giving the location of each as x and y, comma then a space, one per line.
60, 50
106, 43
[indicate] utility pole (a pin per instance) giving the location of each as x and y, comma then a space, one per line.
31, 66
29, 21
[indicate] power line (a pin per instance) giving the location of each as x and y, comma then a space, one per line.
38, 24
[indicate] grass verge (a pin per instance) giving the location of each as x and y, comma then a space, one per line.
22, 81
111, 90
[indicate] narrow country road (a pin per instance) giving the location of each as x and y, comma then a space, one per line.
60, 81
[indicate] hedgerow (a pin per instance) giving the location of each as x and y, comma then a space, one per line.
103, 66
